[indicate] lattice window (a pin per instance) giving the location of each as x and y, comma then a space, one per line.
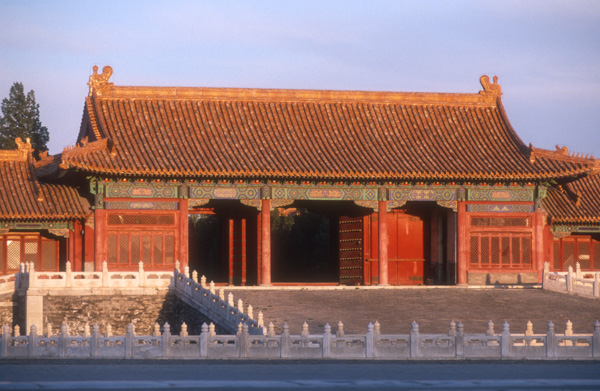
500, 249
49, 254
31, 252
169, 249
141, 219
596, 247
1, 254
500, 221
556, 254
112, 248
583, 253
135, 249
474, 250
124, 249
147, 249
568, 254
13, 253
158, 249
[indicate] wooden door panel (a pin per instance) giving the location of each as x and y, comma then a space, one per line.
351, 250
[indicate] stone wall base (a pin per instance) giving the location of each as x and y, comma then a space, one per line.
499, 278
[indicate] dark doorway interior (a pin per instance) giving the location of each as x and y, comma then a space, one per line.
301, 245
205, 247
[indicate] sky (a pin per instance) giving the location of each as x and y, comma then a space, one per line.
545, 53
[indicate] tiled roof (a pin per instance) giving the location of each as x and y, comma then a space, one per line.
575, 203
23, 197
304, 134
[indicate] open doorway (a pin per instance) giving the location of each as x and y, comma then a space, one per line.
302, 247
204, 240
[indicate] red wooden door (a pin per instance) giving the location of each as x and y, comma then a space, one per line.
351, 250
406, 251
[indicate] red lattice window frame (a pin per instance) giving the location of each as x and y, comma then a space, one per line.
500, 241
572, 249
148, 237
17, 248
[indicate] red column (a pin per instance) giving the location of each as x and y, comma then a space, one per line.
462, 249
539, 243
183, 232
77, 259
101, 238
265, 220
383, 243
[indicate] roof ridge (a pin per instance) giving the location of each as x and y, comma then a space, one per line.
100, 87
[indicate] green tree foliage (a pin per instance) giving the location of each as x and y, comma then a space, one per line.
21, 118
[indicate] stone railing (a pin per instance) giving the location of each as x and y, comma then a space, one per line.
200, 296
573, 282
205, 299
8, 283
372, 345
29, 278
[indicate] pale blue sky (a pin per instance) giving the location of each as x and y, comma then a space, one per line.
546, 53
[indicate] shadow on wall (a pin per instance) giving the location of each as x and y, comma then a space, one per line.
175, 312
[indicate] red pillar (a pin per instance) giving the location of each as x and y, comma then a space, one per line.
265, 220
183, 232
462, 249
383, 243
77, 259
101, 238
539, 243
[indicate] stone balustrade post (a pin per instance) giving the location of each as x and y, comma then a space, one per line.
250, 312
211, 330
505, 341
203, 282
596, 340
460, 340
327, 341
370, 341
230, 300
4, 342
550, 341
271, 330
142, 275
166, 335
304, 332
284, 345
62, 340
94, 340
32, 276
597, 284
240, 306
177, 266
340, 330
377, 330
204, 341
529, 329
105, 280
33, 342
17, 331
184, 330
578, 270
109, 331
211, 287
545, 275
49, 332
570, 276
414, 340
156, 332
452, 331
243, 341
86, 330
195, 276
129, 334
490, 330
68, 275
222, 294
186, 271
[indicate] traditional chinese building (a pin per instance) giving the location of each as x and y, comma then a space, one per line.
416, 187
39, 222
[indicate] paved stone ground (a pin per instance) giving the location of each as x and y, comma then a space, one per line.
432, 309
